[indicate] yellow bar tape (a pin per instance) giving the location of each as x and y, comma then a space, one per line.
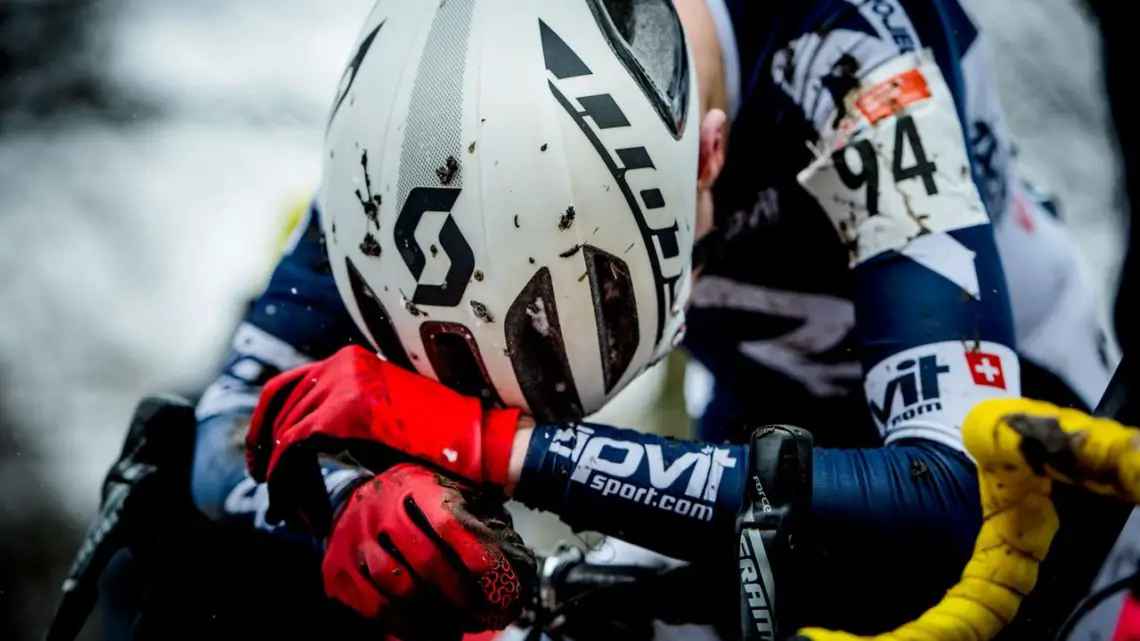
292, 218
1021, 447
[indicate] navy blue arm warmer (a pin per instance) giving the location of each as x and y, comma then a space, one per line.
869, 506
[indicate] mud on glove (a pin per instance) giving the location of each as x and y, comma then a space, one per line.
427, 557
355, 402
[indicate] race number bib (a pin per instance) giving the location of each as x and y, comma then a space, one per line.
894, 166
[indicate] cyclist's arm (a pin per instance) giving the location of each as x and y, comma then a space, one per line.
681, 498
898, 180
299, 317
931, 305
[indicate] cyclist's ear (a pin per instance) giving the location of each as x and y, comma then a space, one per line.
709, 164
713, 139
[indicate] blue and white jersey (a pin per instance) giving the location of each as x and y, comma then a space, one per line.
881, 271
861, 292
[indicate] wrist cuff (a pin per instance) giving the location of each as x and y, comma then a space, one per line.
499, 427
340, 485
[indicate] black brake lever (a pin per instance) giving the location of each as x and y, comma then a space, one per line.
144, 494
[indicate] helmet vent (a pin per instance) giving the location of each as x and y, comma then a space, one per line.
458, 364
376, 319
538, 353
615, 310
648, 37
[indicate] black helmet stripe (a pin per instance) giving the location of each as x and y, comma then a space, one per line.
376, 319
666, 285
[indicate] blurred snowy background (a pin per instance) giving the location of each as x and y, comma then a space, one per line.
148, 151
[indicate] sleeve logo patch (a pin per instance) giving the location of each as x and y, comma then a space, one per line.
986, 369
892, 96
926, 392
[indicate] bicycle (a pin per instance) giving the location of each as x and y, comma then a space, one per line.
576, 598
1020, 454
146, 510
1019, 457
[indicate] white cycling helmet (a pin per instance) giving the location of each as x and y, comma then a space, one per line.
509, 193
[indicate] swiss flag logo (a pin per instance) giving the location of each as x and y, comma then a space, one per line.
986, 369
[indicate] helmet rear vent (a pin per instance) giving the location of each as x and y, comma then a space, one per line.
615, 310
538, 353
458, 364
648, 37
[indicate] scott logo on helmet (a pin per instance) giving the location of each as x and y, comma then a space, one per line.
421, 200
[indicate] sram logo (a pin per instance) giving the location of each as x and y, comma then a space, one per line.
756, 583
916, 386
696, 475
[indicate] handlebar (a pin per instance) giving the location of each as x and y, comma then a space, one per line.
571, 590
1021, 448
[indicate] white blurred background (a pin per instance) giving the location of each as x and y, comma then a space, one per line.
139, 212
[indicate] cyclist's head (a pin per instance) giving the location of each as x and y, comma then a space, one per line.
510, 191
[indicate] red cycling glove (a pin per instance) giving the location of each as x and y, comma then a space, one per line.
358, 403
1128, 624
427, 557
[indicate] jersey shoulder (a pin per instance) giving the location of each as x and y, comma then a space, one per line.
301, 304
811, 54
